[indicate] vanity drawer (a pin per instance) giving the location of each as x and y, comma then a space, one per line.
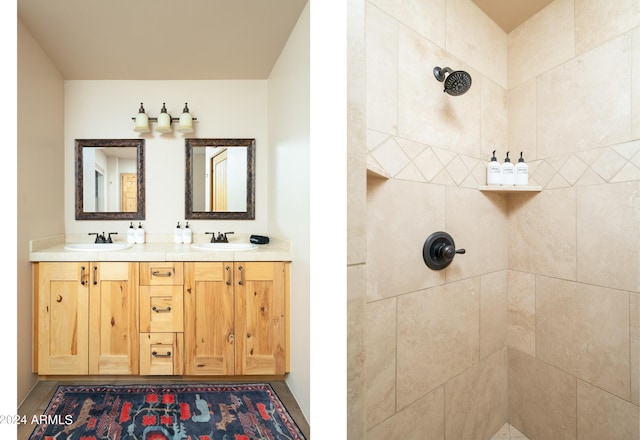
161, 309
161, 353
161, 274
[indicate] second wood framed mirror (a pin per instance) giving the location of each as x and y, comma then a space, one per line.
220, 179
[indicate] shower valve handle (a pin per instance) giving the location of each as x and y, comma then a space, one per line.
439, 249
449, 251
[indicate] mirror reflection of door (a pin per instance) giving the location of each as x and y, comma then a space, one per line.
219, 181
105, 187
129, 192
99, 190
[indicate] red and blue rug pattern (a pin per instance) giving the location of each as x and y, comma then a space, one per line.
166, 412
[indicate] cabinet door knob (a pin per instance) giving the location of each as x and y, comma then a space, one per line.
59, 298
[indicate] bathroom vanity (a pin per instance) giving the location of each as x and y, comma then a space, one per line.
161, 309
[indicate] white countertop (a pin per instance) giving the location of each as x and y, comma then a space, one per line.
52, 249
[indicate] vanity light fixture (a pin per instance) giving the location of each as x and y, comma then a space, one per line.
164, 121
141, 121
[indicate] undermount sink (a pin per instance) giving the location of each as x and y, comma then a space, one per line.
224, 246
96, 246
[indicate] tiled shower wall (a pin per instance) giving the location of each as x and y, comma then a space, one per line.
574, 249
547, 294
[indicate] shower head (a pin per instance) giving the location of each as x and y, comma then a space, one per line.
457, 83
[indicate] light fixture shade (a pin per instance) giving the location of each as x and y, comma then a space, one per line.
164, 121
186, 121
142, 121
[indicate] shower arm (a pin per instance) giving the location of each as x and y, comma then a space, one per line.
439, 72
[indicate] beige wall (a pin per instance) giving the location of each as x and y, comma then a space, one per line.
40, 136
548, 288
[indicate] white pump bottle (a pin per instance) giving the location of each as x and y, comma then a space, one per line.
187, 236
140, 234
521, 172
507, 172
494, 171
177, 234
131, 234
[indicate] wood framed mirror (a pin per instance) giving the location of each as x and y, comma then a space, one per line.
109, 179
220, 179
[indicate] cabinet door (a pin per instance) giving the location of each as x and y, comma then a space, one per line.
208, 318
63, 312
260, 318
113, 333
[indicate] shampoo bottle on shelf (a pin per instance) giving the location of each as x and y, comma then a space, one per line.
139, 234
521, 172
177, 234
494, 172
187, 236
131, 234
507, 172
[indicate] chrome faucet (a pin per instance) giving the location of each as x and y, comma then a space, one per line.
220, 238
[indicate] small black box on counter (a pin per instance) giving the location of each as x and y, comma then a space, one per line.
259, 239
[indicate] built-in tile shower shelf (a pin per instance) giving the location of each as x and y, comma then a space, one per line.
379, 173
497, 188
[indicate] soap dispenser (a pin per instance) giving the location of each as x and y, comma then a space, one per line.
177, 234
507, 172
139, 234
187, 236
521, 172
494, 171
131, 234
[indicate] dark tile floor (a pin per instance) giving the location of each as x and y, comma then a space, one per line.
37, 401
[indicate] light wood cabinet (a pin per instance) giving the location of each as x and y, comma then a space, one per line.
87, 316
209, 323
62, 309
260, 318
161, 318
235, 318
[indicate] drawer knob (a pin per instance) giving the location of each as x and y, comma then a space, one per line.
156, 354
157, 310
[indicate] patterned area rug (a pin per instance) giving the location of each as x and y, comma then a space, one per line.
166, 412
